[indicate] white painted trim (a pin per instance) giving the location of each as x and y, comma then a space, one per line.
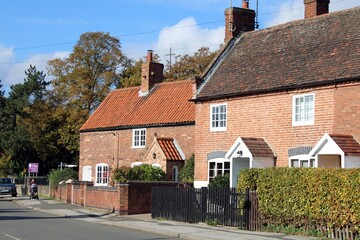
96, 174
133, 138
200, 184
179, 150
302, 123
218, 129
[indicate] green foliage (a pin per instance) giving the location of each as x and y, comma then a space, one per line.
186, 173
143, 172
220, 181
188, 66
306, 197
57, 175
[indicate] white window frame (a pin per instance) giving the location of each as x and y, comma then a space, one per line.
102, 174
175, 174
139, 138
303, 114
302, 160
217, 170
221, 117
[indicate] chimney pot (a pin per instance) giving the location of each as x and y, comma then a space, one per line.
149, 56
245, 4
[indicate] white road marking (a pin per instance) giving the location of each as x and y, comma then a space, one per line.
9, 236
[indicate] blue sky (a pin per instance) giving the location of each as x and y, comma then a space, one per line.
33, 32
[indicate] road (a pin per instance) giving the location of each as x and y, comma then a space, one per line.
18, 223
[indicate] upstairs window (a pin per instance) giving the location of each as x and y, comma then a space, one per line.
303, 109
139, 138
218, 117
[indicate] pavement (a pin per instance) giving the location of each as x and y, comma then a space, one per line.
144, 222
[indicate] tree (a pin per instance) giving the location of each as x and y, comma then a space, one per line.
15, 139
82, 81
189, 66
87, 75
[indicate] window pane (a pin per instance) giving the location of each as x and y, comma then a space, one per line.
304, 163
312, 162
294, 163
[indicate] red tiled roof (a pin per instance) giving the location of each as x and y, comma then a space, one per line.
310, 52
347, 143
258, 147
168, 147
167, 103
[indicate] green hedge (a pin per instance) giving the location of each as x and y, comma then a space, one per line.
143, 172
306, 197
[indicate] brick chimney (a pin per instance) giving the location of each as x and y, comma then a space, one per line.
316, 7
238, 20
152, 73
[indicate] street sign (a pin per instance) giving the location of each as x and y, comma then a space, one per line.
33, 167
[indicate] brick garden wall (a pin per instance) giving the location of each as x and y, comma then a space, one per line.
125, 199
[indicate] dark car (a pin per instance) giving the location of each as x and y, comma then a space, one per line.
7, 187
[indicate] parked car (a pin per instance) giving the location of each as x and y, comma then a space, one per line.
7, 187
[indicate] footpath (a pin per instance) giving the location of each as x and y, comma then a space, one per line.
144, 222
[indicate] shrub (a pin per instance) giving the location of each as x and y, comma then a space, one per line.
143, 172
57, 175
220, 181
306, 197
186, 173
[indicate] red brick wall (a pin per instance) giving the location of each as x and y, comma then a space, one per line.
125, 199
269, 116
102, 197
347, 110
102, 147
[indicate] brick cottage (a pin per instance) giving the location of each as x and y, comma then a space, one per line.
153, 124
288, 95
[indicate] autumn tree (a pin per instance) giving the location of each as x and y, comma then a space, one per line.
188, 66
82, 81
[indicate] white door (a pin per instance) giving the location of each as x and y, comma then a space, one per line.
86, 173
238, 164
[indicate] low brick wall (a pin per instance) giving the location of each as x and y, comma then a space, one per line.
124, 199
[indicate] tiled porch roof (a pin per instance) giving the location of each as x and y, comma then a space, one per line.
347, 143
258, 147
169, 148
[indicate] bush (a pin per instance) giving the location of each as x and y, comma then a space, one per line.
143, 172
306, 197
57, 175
220, 181
186, 173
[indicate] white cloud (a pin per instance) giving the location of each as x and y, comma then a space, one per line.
186, 37
288, 11
6, 57
14, 72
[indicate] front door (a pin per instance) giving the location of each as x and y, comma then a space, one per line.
238, 164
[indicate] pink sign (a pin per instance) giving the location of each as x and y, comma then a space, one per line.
33, 167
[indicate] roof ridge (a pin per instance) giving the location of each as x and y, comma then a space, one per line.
301, 21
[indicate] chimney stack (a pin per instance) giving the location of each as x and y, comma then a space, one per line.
151, 73
316, 7
238, 20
